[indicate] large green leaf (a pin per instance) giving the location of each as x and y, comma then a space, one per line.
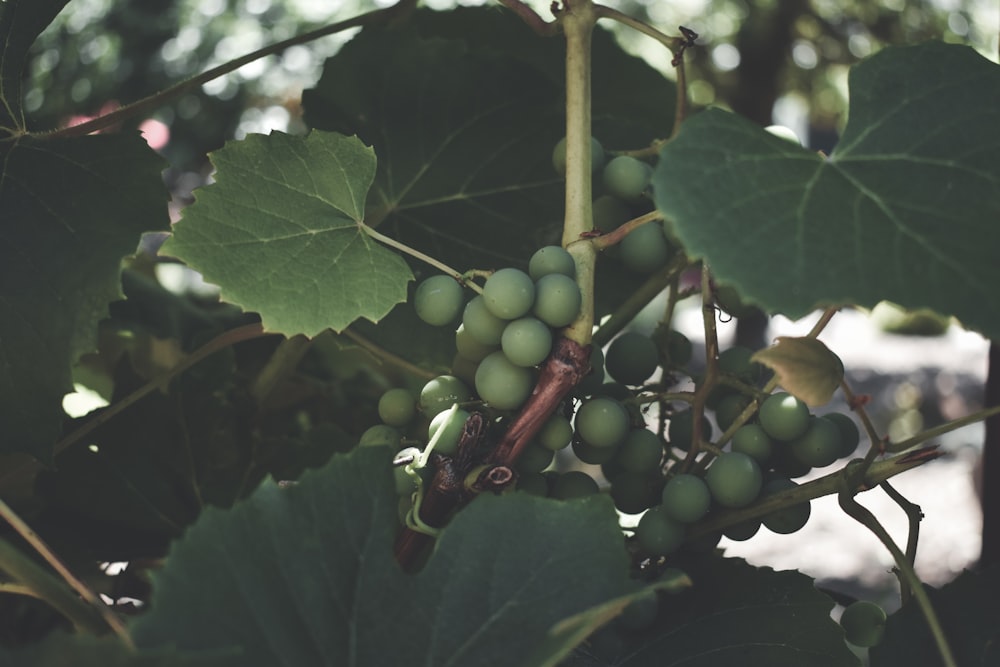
905, 209
734, 615
83, 651
70, 209
305, 576
278, 233
21, 21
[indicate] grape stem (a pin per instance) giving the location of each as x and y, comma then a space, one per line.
914, 516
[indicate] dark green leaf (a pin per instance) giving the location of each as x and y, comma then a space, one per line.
83, 651
71, 209
969, 611
905, 209
278, 233
734, 615
21, 22
305, 575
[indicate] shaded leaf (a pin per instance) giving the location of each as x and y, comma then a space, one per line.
305, 575
278, 233
805, 367
21, 22
82, 651
905, 208
71, 210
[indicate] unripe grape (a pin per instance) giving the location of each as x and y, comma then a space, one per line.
850, 436
863, 623
631, 358
534, 459
819, 446
502, 384
679, 349
645, 249
641, 451
397, 407
438, 300
730, 301
469, 347
634, 492
730, 408
526, 341
573, 484
405, 484
451, 426
681, 429
593, 455
735, 361
686, 498
481, 324
734, 479
559, 156
551, 259
753, 441
658, 534
556, 433
441, 393
626, 177
594, 378
609, 213
381, 435
783, 416
602, 422
742, 531
789, 519
557, 300
509, 293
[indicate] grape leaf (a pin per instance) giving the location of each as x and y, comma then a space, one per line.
305, 575
905, 208
969, 611
21, 22
278, 233
733, 615
805, 367
71, 209
83, 651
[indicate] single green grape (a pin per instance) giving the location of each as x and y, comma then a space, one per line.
658, 534
526, 341
679, 349
534, 459
729, 408
641, 451
610, 213
481, 324
502, 384
509, 293
783, 416
819, 446
742, 531
441, 393
559, 156
633, 492
438, 300
573, 484
681, 429
734, 479
557, 300
405, 484
631, 358
468, 346
753, 441
593, 455
555, 434
735, 361
850, 435
451, 426
381, 435
789, 519
686, 498
626, 177
602, 422
397, 407
551, 259
863, 623
645, 249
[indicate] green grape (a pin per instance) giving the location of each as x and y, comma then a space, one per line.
641, 451
593, 455
555, 434
680, 431
405, 484
526, 341
441, 393
729, 300
743, 531
381, 435
783, 416
735, 361
502, 384
451, 426
850, 436
679, 349
397, 407
469, 347
534, 483
464, 369
534, 459
438, 300
551, 259
631, 358
729, 408
819, 446
602, 422
645, 249
559, 156
573, 484
753, 441
557, 300
626, 177
610, 213
789, 519
594, 378
658, 534
686, 498
634, 492
481, 324
509, 293
863, 623
785, 464
734, 479
641, 613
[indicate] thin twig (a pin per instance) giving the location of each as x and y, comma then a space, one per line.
914, 515
385, 355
